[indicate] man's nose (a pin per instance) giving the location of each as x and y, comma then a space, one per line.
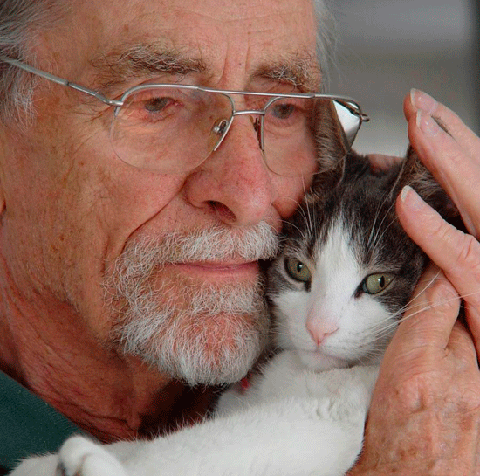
234, 181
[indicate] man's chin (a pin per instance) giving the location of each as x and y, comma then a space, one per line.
223, 350
204, 322
208, 350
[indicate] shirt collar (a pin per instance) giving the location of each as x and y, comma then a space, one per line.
28, 425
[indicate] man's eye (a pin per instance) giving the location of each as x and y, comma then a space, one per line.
156, 105
147, 108
283, 111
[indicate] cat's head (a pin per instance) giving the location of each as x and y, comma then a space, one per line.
347, 268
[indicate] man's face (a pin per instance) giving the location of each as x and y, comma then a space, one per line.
111, 239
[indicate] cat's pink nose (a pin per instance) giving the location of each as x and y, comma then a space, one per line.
320, 332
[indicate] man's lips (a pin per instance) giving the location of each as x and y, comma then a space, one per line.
222, 269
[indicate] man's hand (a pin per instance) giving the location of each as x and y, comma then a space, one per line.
425, 410
454, 160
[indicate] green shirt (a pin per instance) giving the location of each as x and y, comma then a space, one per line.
28, 425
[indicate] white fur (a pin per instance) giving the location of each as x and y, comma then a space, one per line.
331, 304
293, 420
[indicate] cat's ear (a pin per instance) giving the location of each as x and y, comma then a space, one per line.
330, 148
415, 174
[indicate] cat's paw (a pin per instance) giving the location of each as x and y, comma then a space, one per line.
349, 393
81, 457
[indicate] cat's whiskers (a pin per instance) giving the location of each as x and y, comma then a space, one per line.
373, 353
372, 342
307, 213
304, 232
385, 326
311, 223
379, 236
296, 227
377, 214
441, 303
347, 233
372, 239
390, 324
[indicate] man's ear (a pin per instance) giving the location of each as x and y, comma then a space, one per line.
415, 174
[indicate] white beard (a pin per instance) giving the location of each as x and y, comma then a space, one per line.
199, 332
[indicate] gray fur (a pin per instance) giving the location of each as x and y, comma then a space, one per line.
348, 191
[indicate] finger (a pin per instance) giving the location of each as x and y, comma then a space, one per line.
464, 136
456, 171
451, 157
423, 335
432, 312
456, 253
462, 346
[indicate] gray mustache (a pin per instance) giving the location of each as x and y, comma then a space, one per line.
213, 244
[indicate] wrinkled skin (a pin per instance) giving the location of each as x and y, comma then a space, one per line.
70, 206
61, 174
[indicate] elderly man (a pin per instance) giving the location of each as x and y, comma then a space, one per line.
130, 249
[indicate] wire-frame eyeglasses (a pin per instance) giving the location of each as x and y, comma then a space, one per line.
172, 128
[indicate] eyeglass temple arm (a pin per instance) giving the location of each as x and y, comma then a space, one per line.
63, 82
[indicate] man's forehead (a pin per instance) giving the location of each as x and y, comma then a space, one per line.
272, 39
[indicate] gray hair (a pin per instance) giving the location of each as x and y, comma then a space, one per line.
21, 20
326, 38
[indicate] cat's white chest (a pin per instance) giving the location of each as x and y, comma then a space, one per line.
286, 378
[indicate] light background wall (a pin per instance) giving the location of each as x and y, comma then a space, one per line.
387, 47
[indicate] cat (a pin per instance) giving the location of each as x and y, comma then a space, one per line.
337, 291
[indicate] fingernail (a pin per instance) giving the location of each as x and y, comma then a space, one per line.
409, 197
427, 124
423, 101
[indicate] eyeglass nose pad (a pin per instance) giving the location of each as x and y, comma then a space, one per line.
221, 129
258, 129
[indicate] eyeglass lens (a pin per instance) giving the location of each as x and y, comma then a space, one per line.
175, 129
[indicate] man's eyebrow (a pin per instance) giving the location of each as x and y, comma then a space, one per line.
302, 72
122, 64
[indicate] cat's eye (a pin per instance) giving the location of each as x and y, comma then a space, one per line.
297, 270
376, 283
